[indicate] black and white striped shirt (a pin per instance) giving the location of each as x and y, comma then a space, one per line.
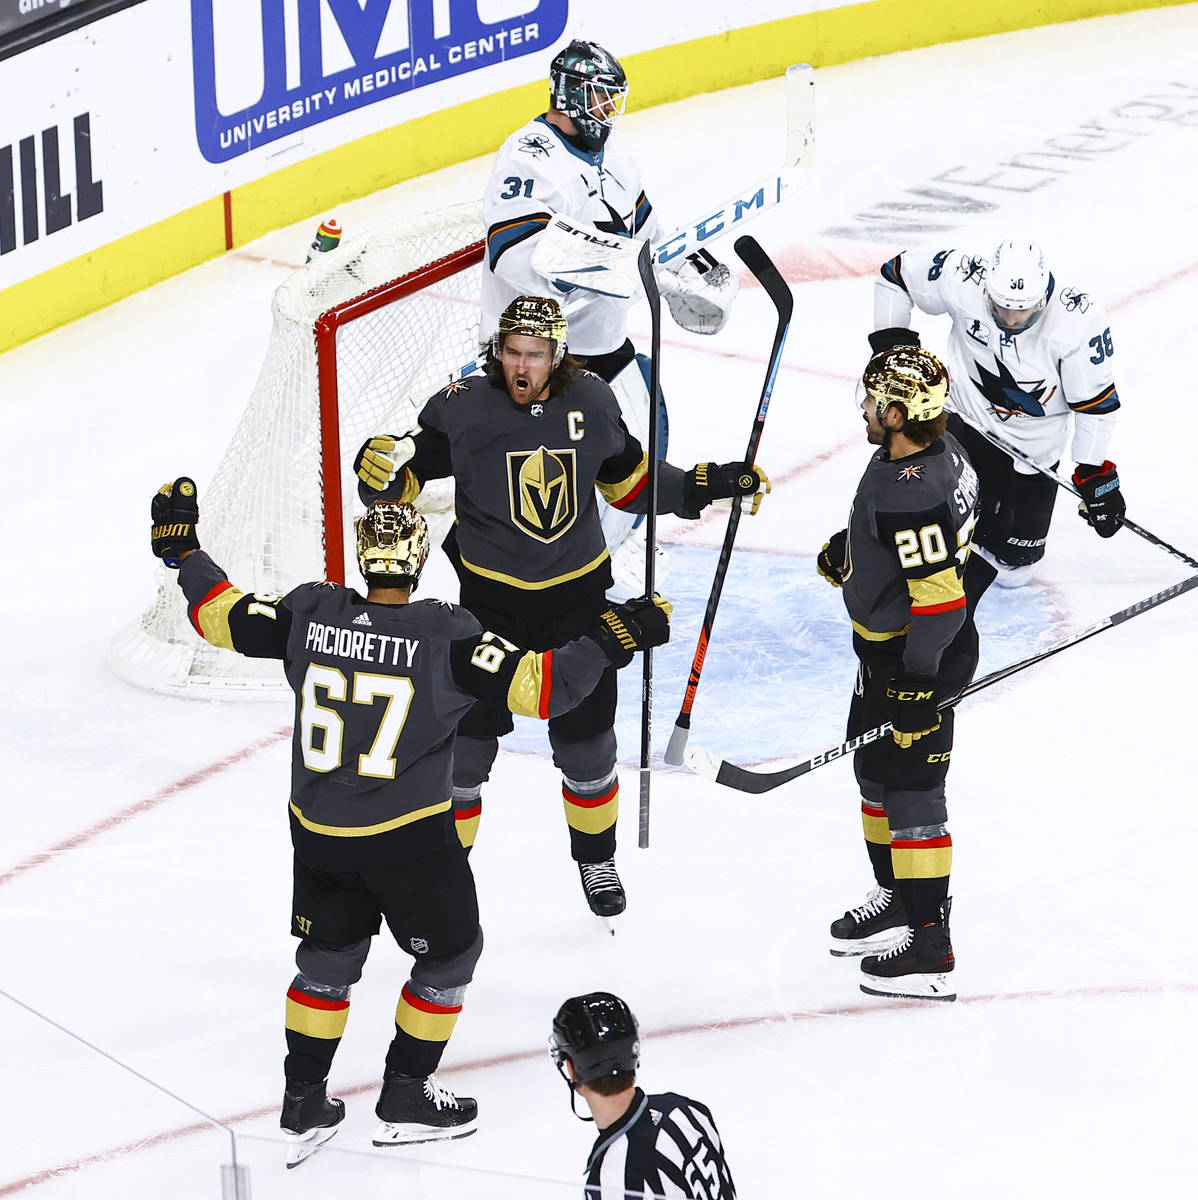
663, 1146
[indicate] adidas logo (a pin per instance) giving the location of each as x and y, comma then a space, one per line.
362, 618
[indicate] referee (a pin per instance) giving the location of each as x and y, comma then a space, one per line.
652, 1145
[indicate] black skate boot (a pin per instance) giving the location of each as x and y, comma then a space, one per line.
918, 967
874, 927
604, 891
309, 1118
413, 1109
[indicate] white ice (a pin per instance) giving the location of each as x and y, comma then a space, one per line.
144, 875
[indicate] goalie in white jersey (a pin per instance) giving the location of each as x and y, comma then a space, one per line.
1029, 359
570, 160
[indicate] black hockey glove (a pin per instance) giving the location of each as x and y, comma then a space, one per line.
911, 706
174, 513
634, 625
1102, 501
381, 459
832, 562
887, 339
705, 483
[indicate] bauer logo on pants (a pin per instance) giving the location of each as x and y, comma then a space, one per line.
303, 64
543, 491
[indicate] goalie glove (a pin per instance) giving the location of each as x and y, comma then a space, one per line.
705, 483
699, 290
911, 706
635, 625
174, 514
381, 459
1102, 501
832, 562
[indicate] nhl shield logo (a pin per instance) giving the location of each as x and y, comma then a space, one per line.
419, 945
543, 491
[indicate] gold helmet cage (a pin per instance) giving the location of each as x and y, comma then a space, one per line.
910, 376
393, 544
534, 316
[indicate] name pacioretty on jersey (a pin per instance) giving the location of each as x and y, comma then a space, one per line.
353, 643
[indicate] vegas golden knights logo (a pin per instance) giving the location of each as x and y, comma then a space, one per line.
543, 491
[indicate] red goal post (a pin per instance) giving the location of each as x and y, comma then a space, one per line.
360, 338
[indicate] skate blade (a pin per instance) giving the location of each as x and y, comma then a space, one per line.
879, 943
301, 1146
609, 925
910, 987
392, 1133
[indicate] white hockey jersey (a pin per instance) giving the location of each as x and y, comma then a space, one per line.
1023, 386
536, 174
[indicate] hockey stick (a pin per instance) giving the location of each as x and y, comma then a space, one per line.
645, 266
756, 259
706, 764
1069, 486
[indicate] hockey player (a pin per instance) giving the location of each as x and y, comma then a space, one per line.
910, 587
653, 1146
1024, 353
529, 444
380, 684
571, 160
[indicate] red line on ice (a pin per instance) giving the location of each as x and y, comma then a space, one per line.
144, 806
49, 1174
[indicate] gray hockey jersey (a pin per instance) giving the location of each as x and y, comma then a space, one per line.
910, 530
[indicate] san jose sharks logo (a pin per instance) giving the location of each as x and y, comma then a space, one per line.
1008, 396
536, 144
543, 491
1075, 301
972, 270
616, 223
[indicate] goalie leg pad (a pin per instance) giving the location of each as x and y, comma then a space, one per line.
631, 388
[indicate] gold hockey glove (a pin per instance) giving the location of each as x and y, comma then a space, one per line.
634, 625
174, 514
832, 562
911, 706
705, 483
381, 459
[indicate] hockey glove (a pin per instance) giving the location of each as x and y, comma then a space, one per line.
634, 625
174, 513
705, 483
1102, 501
382, 458
911, 706
886, 339
832, 562
699, 290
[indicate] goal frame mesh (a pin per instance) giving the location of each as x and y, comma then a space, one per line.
361, 337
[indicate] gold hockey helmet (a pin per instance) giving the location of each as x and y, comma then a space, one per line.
534, 316
910, 376
392, 544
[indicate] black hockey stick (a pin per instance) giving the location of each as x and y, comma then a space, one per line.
776, 288
1069, 486
644, 264
704, 763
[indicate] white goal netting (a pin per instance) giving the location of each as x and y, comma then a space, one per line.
397, 328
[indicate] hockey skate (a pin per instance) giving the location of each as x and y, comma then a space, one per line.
873, 928
413, 1109
309, 1119
918, 967
603, 889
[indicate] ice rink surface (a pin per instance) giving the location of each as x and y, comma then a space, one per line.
144, 874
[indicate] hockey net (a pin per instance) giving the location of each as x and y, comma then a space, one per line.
362, 336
